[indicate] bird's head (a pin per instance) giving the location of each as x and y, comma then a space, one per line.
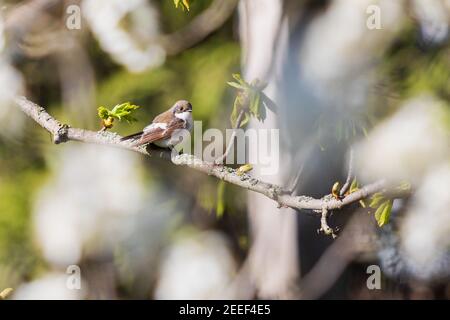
181, 106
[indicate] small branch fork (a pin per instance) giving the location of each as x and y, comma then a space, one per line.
63, 133
324, 227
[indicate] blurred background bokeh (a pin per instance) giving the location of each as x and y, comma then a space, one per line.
368, 75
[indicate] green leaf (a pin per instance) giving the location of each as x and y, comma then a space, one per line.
335, 189
376, 200
183, 4
383, 213
354, 186
103, 113
220, 208
236, 85
250, 98
120, 111
124, 111
243, 169
239, 79
379, 211
237, 108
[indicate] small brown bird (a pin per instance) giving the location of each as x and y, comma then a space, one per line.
168, 128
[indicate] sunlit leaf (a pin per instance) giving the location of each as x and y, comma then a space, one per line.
250, 99
239, 79
376, 200
335, 189
235, 85
243, 169
354, 186
124, 111
5, 293
379, 211
183, 4
121, 112
383, 213
103, 113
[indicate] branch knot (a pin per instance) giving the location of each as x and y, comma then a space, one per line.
61, 135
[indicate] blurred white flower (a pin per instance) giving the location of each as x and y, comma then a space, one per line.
198, 266
11, 81
339, 50
434, 19
87, 201
104, 18
425, 231
406, 145
52, 286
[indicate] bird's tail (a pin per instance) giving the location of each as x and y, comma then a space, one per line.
132, 136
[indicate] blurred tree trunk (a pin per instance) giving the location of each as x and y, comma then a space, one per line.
273, 260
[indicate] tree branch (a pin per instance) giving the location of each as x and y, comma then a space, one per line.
200, 27
324, 227
63, 133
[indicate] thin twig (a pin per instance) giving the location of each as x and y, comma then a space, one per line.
200, 27
348, 181
239, 119
295, 181
324, 227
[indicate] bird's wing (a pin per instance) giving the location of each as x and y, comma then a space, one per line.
163, 117
132, 136
159, 131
